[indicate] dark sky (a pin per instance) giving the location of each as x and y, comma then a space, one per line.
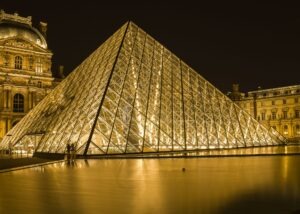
251, 44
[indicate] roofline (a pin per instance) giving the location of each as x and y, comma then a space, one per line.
275, 89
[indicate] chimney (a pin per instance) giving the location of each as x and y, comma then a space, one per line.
43, 28
235, 95
61, 71
235, 88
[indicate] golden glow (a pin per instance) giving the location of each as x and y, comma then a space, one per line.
136, 96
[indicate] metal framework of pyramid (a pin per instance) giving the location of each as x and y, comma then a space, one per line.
132, 95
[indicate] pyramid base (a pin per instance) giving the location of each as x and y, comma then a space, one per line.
224, 152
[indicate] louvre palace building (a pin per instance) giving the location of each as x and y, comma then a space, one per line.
277, 108
25, 68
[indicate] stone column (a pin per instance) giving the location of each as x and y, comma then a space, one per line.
9, 100
7, 125
33, 98
29, 100
4, 99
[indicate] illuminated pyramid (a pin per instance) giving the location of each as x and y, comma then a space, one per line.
132, 95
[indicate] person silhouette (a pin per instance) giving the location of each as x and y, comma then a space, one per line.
72, 148
68, 148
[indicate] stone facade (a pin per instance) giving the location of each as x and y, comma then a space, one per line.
25, 68
278, 108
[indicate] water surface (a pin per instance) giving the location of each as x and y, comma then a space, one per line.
266, 184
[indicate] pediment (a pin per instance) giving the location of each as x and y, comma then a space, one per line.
21, 43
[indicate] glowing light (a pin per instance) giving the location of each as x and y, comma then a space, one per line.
139, 99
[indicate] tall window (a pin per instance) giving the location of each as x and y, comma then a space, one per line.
30, 62
297, 113
263, 116
39, 66
285, 115
296, 100
283, 101
18, 103
18, 62
39, 84
273, 102
273, 115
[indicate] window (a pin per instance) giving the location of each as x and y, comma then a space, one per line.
39, 84
15, 123
18, 62
297, 129
296, 100
285, 115
273, 102
285, 130
263, 116
6, 59
273, 115
297, 113
30, 62
18, 103
284, 101
39, 66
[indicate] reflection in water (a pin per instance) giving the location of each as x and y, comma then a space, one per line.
269, 184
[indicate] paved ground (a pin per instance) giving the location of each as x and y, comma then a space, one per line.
6, 163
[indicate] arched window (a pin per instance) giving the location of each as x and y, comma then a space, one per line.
15, 123
18, 103
18, 62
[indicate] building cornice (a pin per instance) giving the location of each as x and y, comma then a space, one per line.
15, 18
26, 76
292, 87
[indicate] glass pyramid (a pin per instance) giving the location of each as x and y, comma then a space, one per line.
132, 95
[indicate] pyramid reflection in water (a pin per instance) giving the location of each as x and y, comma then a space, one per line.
132, 95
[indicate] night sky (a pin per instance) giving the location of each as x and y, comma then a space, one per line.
251, 44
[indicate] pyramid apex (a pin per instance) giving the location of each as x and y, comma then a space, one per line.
129, 22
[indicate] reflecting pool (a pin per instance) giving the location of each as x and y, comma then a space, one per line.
263, 184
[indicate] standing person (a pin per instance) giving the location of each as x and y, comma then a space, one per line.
9, 149
68, 148
73, 150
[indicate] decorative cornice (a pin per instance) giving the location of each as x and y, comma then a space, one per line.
36, 49
27, 76
15, 18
